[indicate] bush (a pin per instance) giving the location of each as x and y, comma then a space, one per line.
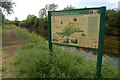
33, 61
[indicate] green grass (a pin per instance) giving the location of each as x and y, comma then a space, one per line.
4, 32
5, 36
33, 61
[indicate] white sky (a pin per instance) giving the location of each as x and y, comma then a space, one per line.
25, 7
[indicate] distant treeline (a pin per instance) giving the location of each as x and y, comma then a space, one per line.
33, 24
39, 25
112, 26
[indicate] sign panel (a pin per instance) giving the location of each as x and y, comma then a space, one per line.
83, 28
78, 28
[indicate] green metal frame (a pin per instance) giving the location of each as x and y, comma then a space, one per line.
101, 40
78, 9
101, 36
75, 46
49, 31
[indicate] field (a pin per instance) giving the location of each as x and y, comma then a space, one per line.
33, 60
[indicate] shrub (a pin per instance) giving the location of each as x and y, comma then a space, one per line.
34, 61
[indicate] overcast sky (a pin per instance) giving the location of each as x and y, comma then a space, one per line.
25, 7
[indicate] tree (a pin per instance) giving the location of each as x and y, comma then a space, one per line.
36, 22
111, 17
51, 7
30, 21
42, 12
48, 7
30, 16
7, 6
69, 7
2, 18
16, 19
112, 22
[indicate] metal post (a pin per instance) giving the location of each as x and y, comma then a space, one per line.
101, 41
49, 32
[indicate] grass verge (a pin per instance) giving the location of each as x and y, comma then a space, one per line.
33, 61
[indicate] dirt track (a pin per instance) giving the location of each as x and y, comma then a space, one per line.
11, 42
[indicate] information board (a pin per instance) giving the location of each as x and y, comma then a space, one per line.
78, 28
83, 28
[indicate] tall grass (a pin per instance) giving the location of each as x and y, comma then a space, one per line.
33, 61
4, 32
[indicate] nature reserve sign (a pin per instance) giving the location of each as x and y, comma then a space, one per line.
79, 28
83, 28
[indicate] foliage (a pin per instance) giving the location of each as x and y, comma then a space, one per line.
69, 7
16, 19
48, 7
42, 12
2, 18
30, 16
112, 22
62, 63
51, 7
29, 22
4, 33
37, 25
12, 22
7, 6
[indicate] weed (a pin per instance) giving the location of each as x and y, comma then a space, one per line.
33, 61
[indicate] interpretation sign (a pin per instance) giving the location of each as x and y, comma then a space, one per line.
79, 27
83, 28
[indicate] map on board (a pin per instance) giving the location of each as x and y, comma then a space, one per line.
75, 28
